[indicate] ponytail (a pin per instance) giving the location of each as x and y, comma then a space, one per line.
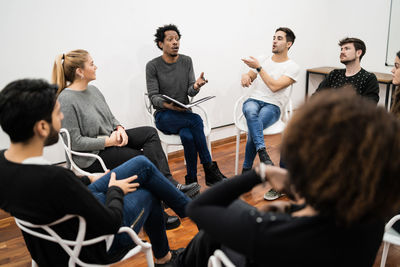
58, 76
65, 66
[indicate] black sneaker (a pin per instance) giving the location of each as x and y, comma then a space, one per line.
171, 262
191, 190
171, 222
264, 157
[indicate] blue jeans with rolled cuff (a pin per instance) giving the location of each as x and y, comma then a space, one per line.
259, 116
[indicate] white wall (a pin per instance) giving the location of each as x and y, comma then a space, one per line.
216, 34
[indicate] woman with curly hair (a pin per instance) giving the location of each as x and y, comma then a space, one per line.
343, 164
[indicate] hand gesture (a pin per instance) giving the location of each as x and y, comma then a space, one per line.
112, 140
122, 137
252, 62
246, 80
125, 184
277, 177
279, 180
200, 82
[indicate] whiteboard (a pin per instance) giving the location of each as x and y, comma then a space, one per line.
393, 43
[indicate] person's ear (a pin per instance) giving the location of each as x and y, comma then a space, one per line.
289, 45
358, 53
79, 73
41, 129
160, 44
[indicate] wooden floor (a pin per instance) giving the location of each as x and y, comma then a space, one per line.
14, 253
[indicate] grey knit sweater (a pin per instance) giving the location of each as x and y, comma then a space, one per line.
88, 119
175, 80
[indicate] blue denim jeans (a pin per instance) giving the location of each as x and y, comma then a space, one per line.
190, 128
143, 207
259, 115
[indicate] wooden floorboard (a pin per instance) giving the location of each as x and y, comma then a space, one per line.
13, 251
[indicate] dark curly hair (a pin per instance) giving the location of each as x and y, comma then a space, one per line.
343, 156
160, 33
395, 109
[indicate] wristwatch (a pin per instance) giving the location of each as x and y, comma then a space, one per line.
259, 69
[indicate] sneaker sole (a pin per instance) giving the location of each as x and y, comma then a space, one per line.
173, 226
193, 192
273, 198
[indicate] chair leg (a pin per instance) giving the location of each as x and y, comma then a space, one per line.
149, 257
209, 145
237, 152
213, 262
384, 253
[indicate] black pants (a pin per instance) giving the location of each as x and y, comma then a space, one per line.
141, 141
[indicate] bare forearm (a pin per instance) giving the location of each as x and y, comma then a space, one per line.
272, 84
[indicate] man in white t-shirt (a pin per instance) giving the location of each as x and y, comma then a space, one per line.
267, 96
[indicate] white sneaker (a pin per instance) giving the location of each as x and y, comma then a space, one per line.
272, 195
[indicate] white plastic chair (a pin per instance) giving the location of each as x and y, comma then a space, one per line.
241, 124
174, 139
391, 236
73, 247
70, 152
219, 257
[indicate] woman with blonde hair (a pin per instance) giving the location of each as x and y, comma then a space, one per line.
92, 126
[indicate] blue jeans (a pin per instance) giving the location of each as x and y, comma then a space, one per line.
190, 128
143, 207
259, 115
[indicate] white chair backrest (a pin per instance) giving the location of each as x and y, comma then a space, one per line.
391, 236
174, 139
73, 247
149, 108
219, 257
69, 152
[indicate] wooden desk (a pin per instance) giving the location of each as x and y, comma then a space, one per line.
383, 78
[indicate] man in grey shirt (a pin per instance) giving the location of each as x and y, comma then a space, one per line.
172, 74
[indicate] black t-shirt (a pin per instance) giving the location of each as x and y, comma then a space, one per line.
364, 82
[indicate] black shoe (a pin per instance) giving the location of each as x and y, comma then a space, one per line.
264, 157
213, 174
171, 222
191, 190
244, 170
172, 262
